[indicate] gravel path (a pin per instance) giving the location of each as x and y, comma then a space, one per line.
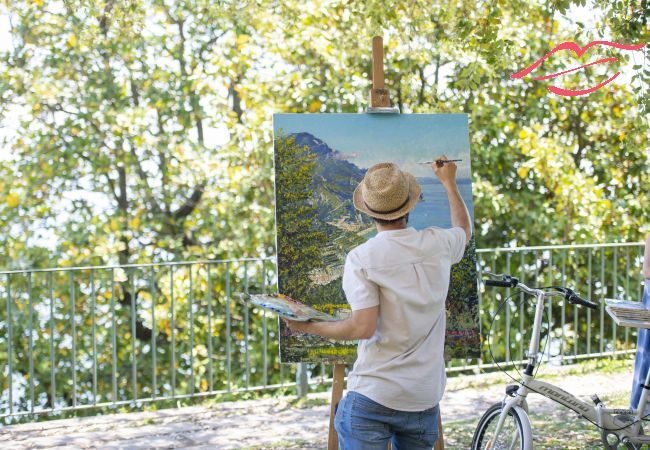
280, 423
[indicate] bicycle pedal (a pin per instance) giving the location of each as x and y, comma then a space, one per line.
597, 401
511, 390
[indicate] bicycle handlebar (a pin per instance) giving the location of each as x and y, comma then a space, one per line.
575, 299
581, 301
510, 282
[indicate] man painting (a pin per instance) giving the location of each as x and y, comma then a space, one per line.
396, 284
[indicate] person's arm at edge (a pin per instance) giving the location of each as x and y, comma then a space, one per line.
361, 325
646, 258
459, 213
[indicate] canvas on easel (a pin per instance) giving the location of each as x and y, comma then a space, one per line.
319, 161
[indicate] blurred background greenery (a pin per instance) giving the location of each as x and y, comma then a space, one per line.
140, 130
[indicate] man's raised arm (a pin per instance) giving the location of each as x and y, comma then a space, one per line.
459, 214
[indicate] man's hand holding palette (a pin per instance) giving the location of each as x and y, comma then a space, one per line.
287, 307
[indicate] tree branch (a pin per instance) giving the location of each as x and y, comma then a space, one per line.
236, 100
186, 208
423, 84
122, 201
194, 102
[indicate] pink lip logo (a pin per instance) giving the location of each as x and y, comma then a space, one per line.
579, 51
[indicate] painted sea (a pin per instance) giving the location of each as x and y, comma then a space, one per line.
433, 209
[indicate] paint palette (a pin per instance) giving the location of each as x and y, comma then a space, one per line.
287, 307
628, 314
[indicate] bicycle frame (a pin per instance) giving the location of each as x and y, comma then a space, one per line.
604, 417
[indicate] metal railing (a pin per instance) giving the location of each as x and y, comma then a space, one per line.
596, 271
85, 337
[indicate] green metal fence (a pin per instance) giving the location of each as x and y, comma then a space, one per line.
85, 337
596, 272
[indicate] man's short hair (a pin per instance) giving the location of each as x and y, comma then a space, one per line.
392, 222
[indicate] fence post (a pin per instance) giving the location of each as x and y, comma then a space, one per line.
302, 380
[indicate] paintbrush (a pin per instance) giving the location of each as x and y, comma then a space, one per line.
440, 162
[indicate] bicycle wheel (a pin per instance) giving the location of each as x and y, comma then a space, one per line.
513, 434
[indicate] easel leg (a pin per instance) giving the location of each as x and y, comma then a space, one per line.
337, 393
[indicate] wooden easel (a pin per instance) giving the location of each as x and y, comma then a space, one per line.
379, 103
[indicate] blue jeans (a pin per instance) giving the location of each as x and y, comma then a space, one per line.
642, 361
363, 424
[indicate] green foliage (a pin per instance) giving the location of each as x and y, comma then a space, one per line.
116, 159
628, 22
123, 100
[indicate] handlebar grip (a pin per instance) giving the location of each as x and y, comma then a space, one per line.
498, 283
577, 300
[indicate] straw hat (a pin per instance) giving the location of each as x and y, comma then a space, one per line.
386, 192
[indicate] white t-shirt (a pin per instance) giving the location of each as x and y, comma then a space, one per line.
406, 272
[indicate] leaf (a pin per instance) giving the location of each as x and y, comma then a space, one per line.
314, 106
12, 200
523, 171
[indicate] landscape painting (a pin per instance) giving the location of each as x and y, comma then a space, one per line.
319, 161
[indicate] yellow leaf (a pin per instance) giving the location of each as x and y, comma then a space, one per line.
241, 40
314, 106
523, 134
38, 2
72, 41
204, 385
523, 171
115, 224
13, 200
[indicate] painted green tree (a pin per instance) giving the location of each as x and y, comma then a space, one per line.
298, 237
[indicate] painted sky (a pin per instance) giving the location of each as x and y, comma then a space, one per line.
405, 139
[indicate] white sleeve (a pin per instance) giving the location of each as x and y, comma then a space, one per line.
360, 292
457, 240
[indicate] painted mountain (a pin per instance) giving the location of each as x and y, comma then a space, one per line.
334, 178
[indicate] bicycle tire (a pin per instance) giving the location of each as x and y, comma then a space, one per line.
516, 429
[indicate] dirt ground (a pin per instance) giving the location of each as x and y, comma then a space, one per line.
282, 423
